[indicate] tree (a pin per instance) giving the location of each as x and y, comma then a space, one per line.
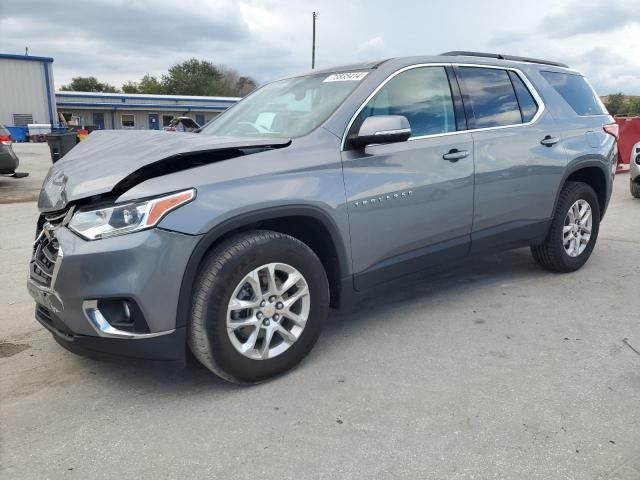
634, 107
245, 86
193, 77
616, 104
88, 84
147, 84
150, 84
232, 84
130, 87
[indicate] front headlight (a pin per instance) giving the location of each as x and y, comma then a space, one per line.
127, 217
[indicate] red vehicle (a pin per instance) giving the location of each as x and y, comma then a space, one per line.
629, 136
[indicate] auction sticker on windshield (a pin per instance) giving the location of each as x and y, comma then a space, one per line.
346, 77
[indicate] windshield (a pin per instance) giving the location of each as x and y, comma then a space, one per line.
286, 108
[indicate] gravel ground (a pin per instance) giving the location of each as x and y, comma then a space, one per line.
493, 369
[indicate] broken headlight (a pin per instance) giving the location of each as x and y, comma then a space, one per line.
126, 217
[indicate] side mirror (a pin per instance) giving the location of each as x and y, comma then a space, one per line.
382, 129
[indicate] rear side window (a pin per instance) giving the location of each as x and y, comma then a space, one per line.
491, 97
422, 95
576, 92
528, 106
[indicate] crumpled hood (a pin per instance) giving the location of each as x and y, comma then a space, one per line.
107, 157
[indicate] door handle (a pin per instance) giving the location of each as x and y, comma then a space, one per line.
549, 141
454, 155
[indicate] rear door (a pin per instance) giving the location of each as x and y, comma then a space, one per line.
409, 206
519, 161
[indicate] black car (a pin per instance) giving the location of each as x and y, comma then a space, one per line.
8, 159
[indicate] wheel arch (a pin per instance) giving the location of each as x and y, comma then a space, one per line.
593, 173
309, 224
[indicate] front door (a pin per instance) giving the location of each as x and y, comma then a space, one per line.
98, 120
154, 121
410, 203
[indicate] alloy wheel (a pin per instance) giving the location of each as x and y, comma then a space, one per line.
268, 311
576, 232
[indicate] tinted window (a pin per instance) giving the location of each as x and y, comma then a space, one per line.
422, 95
528, 106
489, 93
576, 92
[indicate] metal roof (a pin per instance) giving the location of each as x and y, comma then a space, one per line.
29, 58
145, 96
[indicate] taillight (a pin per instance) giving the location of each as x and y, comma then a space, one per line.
5, 139
612, 129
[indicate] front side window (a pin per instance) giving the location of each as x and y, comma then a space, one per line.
576, 92
128, 120
287, 108
491, 97
422, 95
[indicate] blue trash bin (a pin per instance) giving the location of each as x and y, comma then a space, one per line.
18, 134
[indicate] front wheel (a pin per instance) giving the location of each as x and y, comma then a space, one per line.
258, 306
574, 230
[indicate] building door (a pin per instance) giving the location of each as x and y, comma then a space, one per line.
200, 119
98, 120
154, 121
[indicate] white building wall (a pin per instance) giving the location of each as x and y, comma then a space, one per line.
23, 90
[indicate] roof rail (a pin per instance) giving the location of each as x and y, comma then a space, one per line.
459, 53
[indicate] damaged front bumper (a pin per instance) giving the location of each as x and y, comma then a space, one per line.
114, 297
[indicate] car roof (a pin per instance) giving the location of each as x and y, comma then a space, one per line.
450, 57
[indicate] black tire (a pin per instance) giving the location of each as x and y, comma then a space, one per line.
224, 268
551, 254
634, 186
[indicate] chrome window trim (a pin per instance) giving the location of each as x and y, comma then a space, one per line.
392, 132
534, 93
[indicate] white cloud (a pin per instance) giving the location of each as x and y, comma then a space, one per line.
372, 49
122, 40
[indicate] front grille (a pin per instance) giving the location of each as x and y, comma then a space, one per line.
45, 254
46, 248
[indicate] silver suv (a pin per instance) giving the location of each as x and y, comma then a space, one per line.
234, 242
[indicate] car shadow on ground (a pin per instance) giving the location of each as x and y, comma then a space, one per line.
479, 272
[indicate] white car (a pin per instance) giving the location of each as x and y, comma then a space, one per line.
634, 172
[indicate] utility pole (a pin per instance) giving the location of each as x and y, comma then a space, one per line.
313, 44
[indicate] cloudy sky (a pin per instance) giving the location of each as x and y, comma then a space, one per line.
120, 40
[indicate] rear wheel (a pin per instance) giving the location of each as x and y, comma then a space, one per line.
635, 187
258, 307
574, 230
